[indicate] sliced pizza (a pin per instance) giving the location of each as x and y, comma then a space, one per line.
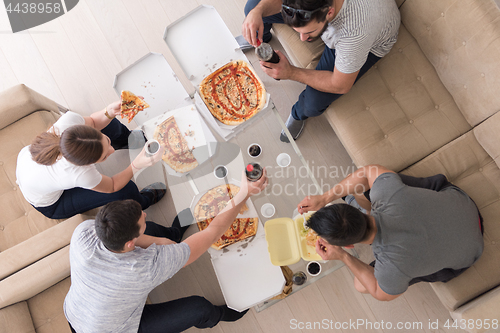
177, 153
214, 201
233, 93
131, 105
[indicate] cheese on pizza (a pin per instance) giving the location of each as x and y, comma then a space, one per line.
209, 206
131, 105
177, 153
233, 93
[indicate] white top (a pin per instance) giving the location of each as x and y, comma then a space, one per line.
43, 185
361, 27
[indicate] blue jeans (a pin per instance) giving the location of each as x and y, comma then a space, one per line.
312, 102
78, 200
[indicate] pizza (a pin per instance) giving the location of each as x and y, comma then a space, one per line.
209, 206
177, 153
131, 105
233, 93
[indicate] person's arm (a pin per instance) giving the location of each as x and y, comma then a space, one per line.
201, 241
356, 183
118, 181
253, 26
364, 274
146, 241
99, 120
334, 82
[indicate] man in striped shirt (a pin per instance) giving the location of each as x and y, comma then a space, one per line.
357, 34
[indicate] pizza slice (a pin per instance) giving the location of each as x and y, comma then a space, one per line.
242, 228
131, 105
177, 153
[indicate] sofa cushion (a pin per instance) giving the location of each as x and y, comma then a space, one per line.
16, 318
468, 165
398, 112
47, 309
19, 220
35, 278
461, 38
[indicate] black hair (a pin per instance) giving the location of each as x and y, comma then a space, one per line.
117, 223
340, 224
319, 16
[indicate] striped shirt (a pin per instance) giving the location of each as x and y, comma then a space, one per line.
361, 27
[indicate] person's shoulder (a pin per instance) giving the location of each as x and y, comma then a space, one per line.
68, 119
84, 230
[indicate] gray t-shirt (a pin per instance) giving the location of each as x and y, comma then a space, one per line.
421, 231
361, 27
108, 290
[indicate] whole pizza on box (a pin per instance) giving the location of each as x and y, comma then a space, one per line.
233, 93
214, 201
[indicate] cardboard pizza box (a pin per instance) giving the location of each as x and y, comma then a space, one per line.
286, 241
201, 43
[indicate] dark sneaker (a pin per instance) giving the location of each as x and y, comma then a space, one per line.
155, 192
351, 201
230, 314
243, 43
187, 218
295, 127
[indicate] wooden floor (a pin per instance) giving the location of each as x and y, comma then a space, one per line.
73, 60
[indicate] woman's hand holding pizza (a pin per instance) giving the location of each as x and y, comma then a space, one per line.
143, 160
283, 70
114, 109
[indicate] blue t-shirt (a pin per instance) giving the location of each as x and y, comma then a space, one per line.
420, 231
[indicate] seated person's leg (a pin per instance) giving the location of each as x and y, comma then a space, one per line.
175, 232
181, 314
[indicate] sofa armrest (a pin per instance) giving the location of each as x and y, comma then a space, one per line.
38, 246
19, 101
35, 278
483, 309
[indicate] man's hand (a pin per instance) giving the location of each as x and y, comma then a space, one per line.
329, 252
311, 203
283, 70
253, 188
253, 27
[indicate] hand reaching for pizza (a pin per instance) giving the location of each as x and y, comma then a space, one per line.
283, 70
143, 160
252, 188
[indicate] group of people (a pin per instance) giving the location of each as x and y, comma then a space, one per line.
420, 229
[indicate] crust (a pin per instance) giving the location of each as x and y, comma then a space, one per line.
206, 89
168, 154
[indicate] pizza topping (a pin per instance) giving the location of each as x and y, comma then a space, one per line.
131, 105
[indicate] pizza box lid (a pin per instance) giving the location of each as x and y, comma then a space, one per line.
201, 43
152, 78
286, 243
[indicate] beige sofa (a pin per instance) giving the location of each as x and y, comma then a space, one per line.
34, 257
431, 106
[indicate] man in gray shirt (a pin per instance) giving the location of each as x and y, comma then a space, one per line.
357, 34
119, 258
417, 234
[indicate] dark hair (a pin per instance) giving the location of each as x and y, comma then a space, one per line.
319, 16
79, 144
340, 224
117, 223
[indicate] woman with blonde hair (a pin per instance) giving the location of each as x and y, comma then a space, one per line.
57, 172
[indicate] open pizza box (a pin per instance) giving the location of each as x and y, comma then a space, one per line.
203, 29
286, 241
152, 78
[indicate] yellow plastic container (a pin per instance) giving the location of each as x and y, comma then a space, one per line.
286, 241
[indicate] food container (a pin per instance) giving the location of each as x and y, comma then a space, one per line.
286, 241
